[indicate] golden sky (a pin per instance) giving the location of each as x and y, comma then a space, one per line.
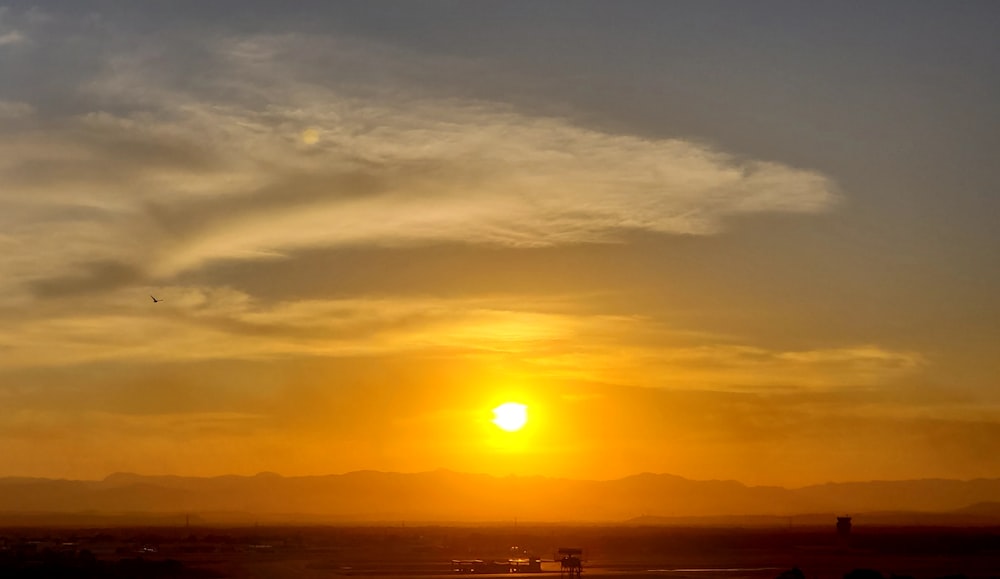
750, 243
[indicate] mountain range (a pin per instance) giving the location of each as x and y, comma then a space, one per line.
446, 496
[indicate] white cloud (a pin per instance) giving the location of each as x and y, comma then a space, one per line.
432, 170
463, 174
178, 171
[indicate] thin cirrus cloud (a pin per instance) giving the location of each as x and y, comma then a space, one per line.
11, 23
255, 155
525, 334
10, 110
267, 145
11, 37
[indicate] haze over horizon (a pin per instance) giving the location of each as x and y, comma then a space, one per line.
751, 242
448, 496
440, 470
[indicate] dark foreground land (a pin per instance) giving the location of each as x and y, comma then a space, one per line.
610, 551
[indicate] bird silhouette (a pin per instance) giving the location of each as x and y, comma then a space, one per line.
155, 301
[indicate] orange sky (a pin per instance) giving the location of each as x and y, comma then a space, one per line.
741, 244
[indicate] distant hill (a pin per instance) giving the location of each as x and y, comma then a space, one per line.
982, 510
445, 496
931, 495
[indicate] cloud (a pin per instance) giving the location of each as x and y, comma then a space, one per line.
10, 110
718, 365
11, 37
210, 324
15, 25
551, 339
182, 171
182, 153
738, 366
95, 277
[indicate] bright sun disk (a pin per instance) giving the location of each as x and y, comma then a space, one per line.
510, 416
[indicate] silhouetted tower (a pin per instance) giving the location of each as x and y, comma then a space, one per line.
844, 529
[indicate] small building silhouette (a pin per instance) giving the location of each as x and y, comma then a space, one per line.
844, 531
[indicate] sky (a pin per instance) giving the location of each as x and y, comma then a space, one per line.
750, 241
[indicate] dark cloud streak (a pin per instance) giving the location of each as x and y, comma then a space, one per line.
94, 277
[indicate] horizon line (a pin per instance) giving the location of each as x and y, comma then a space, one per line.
493, 476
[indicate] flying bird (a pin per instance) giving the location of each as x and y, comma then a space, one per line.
155, 301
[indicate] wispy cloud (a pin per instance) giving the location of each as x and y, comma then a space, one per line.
11, 31
11, 37
15, 110
254, 155
255, 147
530, 336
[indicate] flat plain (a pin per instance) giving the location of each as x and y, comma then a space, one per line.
427, 551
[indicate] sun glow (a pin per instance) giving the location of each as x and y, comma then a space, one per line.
510, 416
310, 136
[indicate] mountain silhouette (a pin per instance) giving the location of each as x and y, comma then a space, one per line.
442, 496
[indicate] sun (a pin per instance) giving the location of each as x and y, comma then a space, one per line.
510, 416
310, 136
